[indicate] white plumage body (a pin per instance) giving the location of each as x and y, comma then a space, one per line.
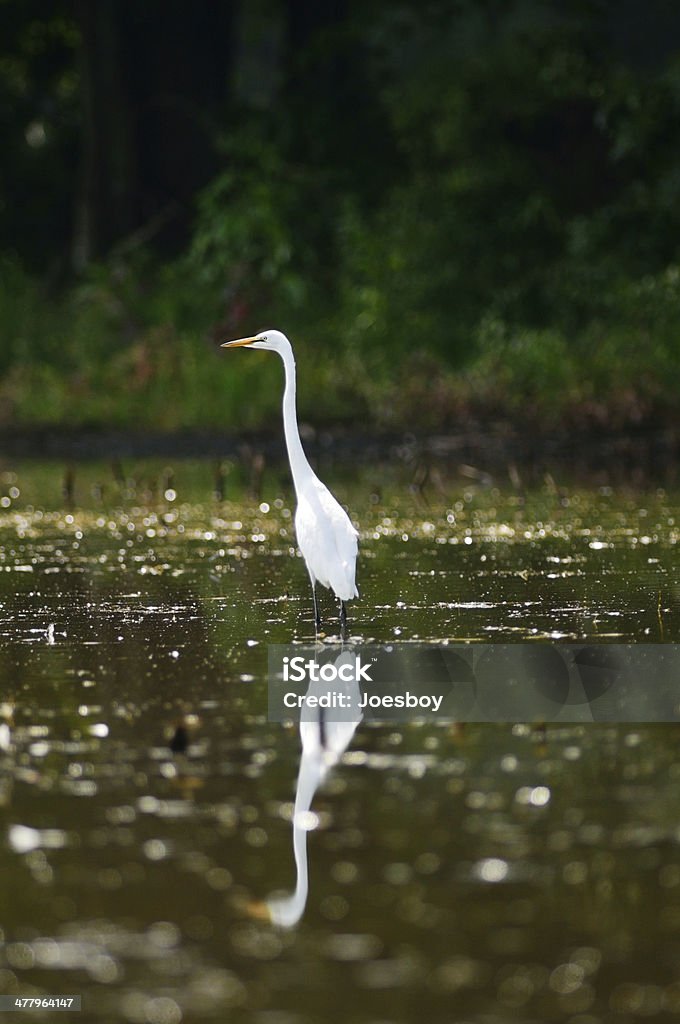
327, 539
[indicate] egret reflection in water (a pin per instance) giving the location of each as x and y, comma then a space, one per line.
324, 739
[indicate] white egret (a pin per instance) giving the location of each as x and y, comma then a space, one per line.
325, 535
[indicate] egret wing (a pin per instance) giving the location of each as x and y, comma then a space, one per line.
327, 540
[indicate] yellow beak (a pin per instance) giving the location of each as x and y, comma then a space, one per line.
258, 910
240, 341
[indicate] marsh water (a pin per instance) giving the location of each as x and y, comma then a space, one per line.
483, 873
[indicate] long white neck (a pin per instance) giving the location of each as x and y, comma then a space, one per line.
299, 465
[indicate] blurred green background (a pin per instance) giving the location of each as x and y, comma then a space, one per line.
458, 210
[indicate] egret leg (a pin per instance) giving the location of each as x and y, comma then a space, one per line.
343, 616
317, 617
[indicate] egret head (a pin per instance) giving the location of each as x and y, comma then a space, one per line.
273, 341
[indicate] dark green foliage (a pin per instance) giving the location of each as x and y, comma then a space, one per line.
453, 207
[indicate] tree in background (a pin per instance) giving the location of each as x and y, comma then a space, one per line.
493, 184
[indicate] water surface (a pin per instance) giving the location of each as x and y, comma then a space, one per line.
482, 874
